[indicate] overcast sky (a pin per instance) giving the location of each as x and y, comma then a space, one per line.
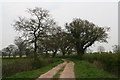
100, 13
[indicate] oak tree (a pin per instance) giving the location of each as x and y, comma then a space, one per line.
85, 33
35, 27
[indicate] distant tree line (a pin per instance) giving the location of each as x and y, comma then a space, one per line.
42, 36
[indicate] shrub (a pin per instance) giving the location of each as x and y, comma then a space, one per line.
109, 62
40, 62
15, 67
10, 68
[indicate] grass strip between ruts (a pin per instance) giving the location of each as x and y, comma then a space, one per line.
57, 75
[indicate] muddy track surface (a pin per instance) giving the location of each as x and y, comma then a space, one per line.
68, 71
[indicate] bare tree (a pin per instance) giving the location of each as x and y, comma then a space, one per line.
36, 26
21, 45
3, 53
9, 50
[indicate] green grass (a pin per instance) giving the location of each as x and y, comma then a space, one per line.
84, 69
57, 75
35, 73
110, 62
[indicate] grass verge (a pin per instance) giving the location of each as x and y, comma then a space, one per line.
84, 69
33, 74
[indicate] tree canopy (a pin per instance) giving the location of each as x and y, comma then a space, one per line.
44, 35
85, 33
35, 27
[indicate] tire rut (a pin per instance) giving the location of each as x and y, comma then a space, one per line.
68, 72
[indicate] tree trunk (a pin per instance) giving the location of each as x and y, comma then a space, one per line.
54, 53
14, 56
80, 50
35, 46
46, 53
63, 52
20, 54
35, 50
2, 54
9, 55
69, 53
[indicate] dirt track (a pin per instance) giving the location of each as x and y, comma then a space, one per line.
68, 71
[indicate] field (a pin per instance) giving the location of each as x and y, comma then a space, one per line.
14, 60
91, 66
12, 56
108, 62
35, 73
84, 69
13, 66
